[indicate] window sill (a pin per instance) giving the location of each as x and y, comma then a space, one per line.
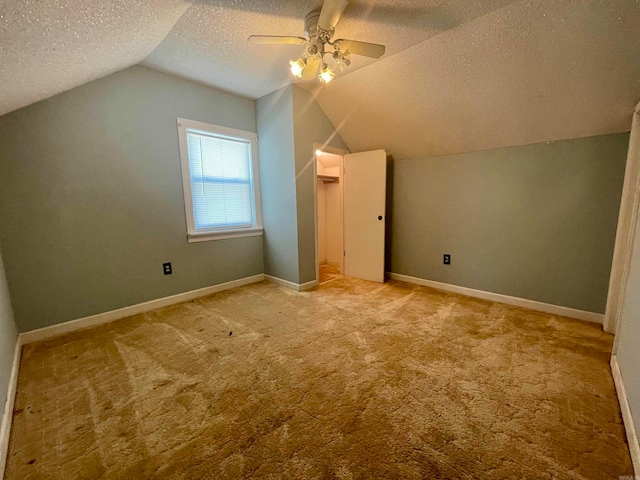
223, 235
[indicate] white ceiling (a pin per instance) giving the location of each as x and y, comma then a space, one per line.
329, 160
209, 43
47, 47
458, 75
530, 72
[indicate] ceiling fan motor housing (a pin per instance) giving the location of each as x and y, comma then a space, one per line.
312, 30
317, 36
311, 23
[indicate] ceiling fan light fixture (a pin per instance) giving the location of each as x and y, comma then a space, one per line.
319, 28
326, 74
297, 67
341, 59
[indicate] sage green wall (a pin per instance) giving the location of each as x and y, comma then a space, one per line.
278, 185
536, 221
8, 337
289, 122
310, 124
91, 199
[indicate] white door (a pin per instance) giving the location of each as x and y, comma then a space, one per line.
365, 177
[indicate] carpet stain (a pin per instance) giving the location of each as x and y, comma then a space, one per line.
350, 380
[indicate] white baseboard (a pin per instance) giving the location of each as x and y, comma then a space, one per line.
7, 417
293, 286
632, 437
497, 297
106, 317
308, 286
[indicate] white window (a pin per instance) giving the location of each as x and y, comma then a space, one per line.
220, 180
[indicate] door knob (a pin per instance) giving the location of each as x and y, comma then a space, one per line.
379, 217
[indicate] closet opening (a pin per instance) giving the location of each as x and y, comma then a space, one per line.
329, 214
350, 198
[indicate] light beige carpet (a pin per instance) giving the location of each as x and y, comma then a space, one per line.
353, 380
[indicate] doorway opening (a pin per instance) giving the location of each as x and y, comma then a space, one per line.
350, 200
330, 216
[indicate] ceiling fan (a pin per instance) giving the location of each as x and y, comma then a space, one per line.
319, 26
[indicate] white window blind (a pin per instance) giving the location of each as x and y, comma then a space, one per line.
220, 171
221, 181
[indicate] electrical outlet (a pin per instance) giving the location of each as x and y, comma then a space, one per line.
167, 268
447, 259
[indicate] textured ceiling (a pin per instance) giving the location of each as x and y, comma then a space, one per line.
530, 72
458, 75
209, 43
47, 47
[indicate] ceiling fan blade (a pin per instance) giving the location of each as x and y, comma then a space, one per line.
331, 13
311, 69
276, 40
365, 49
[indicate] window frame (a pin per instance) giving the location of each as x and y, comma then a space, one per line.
203, 235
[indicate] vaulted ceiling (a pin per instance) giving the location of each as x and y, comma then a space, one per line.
458, 75
530, 72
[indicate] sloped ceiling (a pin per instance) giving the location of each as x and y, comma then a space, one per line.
530, 72
458, 75
209, 43
47, 47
